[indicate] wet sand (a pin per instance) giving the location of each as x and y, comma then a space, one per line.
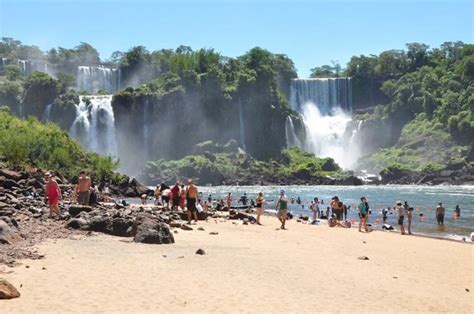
247, 268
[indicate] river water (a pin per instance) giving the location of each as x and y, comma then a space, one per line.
423, 198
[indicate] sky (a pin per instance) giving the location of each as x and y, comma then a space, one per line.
311, 33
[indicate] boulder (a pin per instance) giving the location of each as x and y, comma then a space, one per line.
10, 174
150, 231
75, 210
7, 290
78, 223
121, 227
9, 184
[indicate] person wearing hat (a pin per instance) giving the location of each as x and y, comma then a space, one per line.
53, 192
401, 216
282, 208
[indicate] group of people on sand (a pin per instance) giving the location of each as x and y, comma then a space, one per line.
181, 197
84, 193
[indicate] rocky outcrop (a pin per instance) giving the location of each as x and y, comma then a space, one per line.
459, 176
149, 230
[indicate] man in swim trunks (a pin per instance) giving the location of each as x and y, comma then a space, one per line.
192, 195
401, 216
440, 214
83, 189
282, 208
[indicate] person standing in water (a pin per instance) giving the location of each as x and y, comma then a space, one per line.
192, 195
401, 216
259, 206
440, 214
457, 211
53, 192
83, 189
282, 208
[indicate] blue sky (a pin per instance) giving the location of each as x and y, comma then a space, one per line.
311, 33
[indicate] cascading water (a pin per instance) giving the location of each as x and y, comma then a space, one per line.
325, 105
94, 126
47, 113
4, 62
291, 137
147, 117
242, 125
22, 64
93, 79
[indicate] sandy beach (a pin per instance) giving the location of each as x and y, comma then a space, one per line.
247, 268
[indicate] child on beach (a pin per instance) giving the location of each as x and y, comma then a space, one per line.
282, 208
363, 208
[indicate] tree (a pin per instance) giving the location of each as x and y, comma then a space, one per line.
86, 54
66, 81
417, 53
13, 72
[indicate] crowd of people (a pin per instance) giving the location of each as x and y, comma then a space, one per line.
188, 198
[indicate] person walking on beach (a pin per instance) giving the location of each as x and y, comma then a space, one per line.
409, 211
440, 214
229, 200
182, 197
83, 189
259, 206
315, 208
53, 192
282, 208
175, 195
191, 198
363, 214
401, 216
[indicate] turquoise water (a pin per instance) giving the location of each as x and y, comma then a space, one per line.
425, 198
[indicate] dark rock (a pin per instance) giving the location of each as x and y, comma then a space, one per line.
98, 224
7, 290
238, 215
213, 233
34, 183
75, 210
364, 258
201, 229
130, 192
200, 252
150, 231
186, 227
78, 223
122, 227
9, 184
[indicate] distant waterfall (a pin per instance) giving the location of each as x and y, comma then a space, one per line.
4, 62
147, 120
242, 125
22, 64
47, 113
325, 105
291, 137
93, 79
327, 94
94, 126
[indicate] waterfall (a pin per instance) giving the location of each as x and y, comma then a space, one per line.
4, 62
242, 125
326, 105
291, 137
93, 79
47, 113
327, 94
94, 125
147, 114
22, 64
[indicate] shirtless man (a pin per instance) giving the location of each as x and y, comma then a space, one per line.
440, 214
83, 189
401, 216
192, 195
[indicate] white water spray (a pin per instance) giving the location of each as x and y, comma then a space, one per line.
94, 126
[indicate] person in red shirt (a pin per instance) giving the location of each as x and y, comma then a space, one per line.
175, 195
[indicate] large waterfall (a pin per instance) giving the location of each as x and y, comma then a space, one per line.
325, 105
93, 79
94, 125
242, 125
